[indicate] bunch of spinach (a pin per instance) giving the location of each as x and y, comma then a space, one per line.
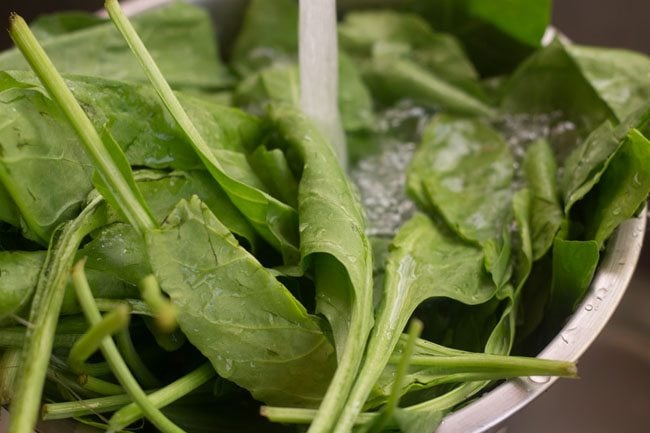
258, 238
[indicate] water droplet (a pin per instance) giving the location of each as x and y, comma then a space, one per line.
567, 335
589, 307
539, 379
601, 293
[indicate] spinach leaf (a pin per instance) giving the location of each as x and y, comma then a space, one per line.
18, 276
233, 310
546, 213
392, 78
587, 163
332, 240
118, 250
354, 99
133, 115
279, 83
273, 169
52, 25
367, 34
622, 189
162, 191
574, 264
424, 262
99, 50
269, 34
514, 26
525, 20
273, 220
37, 148
542, 83
620, 77
459, 163
8, 211
104, 285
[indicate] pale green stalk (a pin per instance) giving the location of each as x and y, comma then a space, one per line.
99, 386
115, 360
46, 306
164, 396
164, 311
73, 409
89, 342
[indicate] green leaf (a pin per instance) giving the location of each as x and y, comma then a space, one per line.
138, 122
587, 163
233, 310
269, 34
53, 25
549, 81
118, 250
279, 83
623, 188
417, 422
620, 77
461, 162
18, 276
514, 26
332, 240
120, 168
391, 79
273, 169
574, 264
162, 191
424, 263
8, 211
37, 150
546, 213
525, 20
273, 220
178, 30
364, 34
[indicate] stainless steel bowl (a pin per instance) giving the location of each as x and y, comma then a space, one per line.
488, 413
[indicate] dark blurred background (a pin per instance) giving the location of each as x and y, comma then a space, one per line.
615, 23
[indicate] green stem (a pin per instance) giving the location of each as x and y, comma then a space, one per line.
108, 170
501, 366
164, 396
68, 386
136, 306
89, 342
99, 386
164, 311
97, 369
73, 409
115, 360
450, 399
289, 415
9, 362
16, 337
134, 361
46, 306
159, 83
400, 375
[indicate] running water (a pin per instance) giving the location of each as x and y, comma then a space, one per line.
318, 58
381, 176
520, 130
